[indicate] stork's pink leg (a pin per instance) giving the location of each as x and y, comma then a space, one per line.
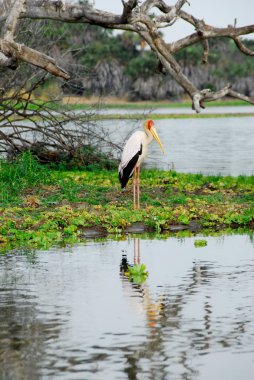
135, 251
134, 188
138, 187
139, 251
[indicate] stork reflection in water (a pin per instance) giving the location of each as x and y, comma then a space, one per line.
152, 308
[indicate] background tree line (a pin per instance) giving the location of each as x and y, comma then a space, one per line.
104, 63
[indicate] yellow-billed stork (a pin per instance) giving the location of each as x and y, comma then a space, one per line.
134, 152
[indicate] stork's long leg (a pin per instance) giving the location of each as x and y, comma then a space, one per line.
134, 188
138, 187
136, 251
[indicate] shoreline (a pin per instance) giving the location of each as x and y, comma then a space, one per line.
113, 102
104, 108
66, 207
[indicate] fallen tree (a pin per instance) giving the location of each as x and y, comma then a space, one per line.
137, 17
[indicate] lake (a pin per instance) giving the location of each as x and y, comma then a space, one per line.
70, 313
211, 146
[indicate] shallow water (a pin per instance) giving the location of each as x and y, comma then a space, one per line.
221, 146
210, 146
70, 314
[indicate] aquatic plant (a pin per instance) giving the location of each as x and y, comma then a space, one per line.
200, 243
40, 206
137, 273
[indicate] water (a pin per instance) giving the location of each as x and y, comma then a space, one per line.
216, 146
211, 146
70, 314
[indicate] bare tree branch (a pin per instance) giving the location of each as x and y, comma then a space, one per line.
11, 62
170, 13
128, 6
206, 51
24, 53
12, 19
135, 17
209, 96
242, 47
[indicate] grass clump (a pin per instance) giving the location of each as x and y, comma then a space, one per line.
15, 177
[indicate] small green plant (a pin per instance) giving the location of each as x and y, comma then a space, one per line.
137, 273
200, 243
21, 174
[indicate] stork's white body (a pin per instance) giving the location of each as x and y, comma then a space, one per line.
138, 142
134, 152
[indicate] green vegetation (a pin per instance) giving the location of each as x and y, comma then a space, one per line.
157, 116
200, 243
154, 105
137, 273
19, 176
36, 105
149, 105
224, 58
127, 49
40, 206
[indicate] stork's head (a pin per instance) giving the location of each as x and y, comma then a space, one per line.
149, 126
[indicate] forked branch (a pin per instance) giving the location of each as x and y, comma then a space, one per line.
137, 16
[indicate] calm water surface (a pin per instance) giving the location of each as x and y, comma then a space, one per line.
212, 146
70, 314
216, 146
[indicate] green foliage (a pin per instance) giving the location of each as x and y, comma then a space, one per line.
106, 46
225, 60
190, 55
200, 243
19, 175
41, 206
137, 273
142, 66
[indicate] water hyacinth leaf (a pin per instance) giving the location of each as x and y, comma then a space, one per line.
137, 273
200, 243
